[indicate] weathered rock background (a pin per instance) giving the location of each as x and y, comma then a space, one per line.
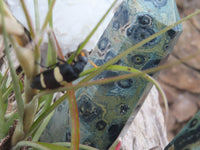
181, 83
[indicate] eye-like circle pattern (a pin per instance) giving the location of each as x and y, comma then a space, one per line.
138, 59
100, 125
144, 20
88, 111
125, 83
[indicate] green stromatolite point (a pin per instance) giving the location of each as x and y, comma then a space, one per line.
104, 109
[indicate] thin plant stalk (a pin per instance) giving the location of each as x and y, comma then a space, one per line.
49, 14
30, 24
37, 18
75, 130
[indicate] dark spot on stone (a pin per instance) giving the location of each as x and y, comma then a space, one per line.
114, 131
118, 62
60, 107
124, 108
145, 20
116, 25
99, 62
103, 43
138, 59
110, 55
151, 64
193, 123
121, 16
88, 111
68, 136
187, 138
165, 47
89, 143
125, 83
129, 31
100, 125
139, 33
171, 33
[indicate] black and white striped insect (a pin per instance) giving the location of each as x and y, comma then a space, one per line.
62, 73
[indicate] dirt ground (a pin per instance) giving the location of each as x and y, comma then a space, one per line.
181, 83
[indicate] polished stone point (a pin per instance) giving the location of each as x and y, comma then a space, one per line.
104, 109
189, 137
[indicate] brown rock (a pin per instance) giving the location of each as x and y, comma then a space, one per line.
184, 109
189, 44
188, 5
171, 121
192, 97
181, 77
170, 92
179, 4
196, 21
170, 136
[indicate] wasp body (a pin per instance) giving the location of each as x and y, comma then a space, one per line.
62, 73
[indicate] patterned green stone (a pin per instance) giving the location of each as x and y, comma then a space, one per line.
189, 137
104, 109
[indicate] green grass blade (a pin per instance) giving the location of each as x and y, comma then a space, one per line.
16, 86
51, 53
28, 19
37, 18
49, 14
4, 80
51, 18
